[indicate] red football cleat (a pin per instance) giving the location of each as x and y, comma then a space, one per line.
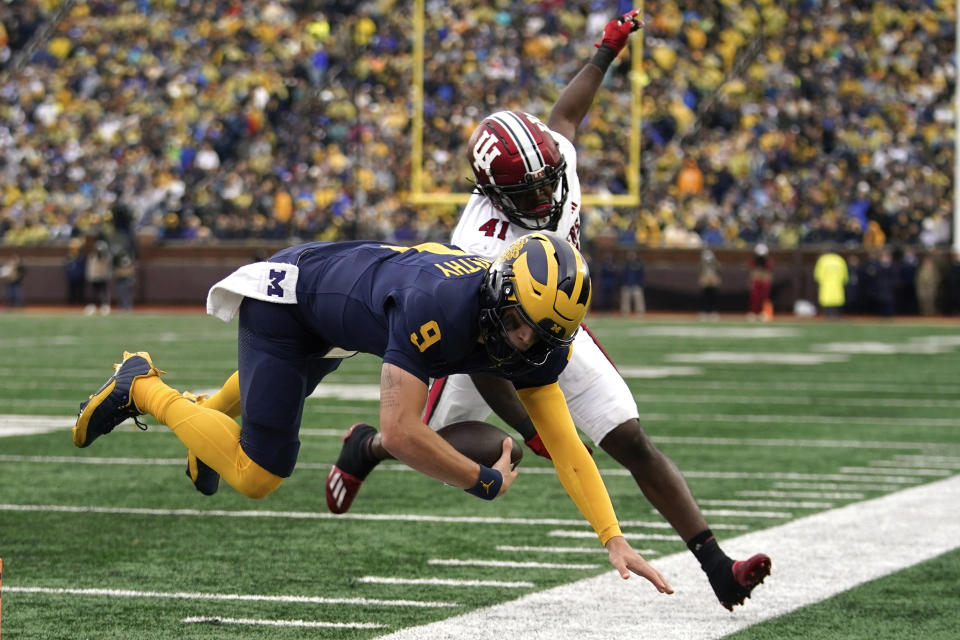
351, 469
748, 574
342, 488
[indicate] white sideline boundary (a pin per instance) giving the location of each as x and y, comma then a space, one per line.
814, 558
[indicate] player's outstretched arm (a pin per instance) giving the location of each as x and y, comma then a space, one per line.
575, 99
626, 561
404, 436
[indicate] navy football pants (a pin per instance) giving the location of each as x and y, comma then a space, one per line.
280, 364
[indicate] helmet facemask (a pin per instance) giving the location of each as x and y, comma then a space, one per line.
537, 202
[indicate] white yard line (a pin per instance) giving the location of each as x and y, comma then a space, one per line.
314, 515
905, 387
308, 624
812, 495
796, 400
511, 564
716, 475
184, 595
11, 425
446, 582
782, 419
845, 547
530, 549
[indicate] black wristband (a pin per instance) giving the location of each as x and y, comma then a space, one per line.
488, 484
603, 57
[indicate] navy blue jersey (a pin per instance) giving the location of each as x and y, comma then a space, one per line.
416, 307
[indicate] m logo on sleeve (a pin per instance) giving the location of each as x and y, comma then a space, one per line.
276, 277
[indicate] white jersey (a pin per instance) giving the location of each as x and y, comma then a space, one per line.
598, 398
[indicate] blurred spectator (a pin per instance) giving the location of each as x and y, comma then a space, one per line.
906, 263
928, 285
690, 179
631, 284
605, 277
709, 281
12, 273
761, 281
124, 277
951, 297
830, 272
853, 292
75, 270
99, 272
879, 284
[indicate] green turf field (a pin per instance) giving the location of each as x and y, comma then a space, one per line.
770, 422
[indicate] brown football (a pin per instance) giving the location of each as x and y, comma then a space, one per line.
480, 441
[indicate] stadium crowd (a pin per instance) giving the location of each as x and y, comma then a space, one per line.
806, 122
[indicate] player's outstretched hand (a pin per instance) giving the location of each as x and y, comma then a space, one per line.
618, 30
505, 467
626, 560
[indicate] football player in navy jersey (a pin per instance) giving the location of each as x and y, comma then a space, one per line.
526, 179
428, 311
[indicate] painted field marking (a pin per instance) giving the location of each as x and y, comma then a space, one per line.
901, 471
907, 478
445, 582
780, 419
905, 387
811, 495
836, 486
859, 542
741, 513
771, 504
11, 425
531, 549
755, 357
927, 464
587, 535
803, 401
183, 595
796, 442
314, 515
715, 475
653, 373
680, 331
309, 624
509, 564
927, 345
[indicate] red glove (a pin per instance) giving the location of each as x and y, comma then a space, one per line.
617, 31
536, 444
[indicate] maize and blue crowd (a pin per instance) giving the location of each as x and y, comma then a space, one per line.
787, 123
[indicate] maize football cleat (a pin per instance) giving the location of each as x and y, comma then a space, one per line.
113, 402
353, 466
735, 582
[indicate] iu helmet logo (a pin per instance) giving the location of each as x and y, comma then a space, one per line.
485, 151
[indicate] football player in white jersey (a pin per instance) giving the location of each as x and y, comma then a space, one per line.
526, 179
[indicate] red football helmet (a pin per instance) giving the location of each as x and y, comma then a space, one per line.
518, 166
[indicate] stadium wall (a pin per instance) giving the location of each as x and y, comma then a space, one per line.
180, 274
